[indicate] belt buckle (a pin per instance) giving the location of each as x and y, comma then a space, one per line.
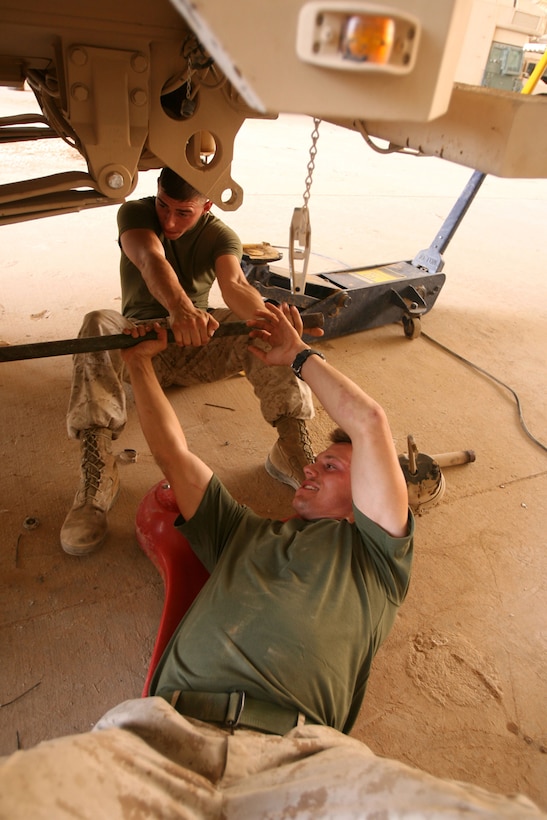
234, 709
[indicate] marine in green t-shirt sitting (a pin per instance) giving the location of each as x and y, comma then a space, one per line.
172, 250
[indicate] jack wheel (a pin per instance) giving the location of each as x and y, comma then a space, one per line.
412, 326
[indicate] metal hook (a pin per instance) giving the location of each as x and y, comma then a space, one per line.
300, 232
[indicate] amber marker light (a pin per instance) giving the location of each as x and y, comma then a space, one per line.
357, 36
368, 38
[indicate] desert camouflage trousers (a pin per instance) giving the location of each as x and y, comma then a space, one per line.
144, 760
98, 397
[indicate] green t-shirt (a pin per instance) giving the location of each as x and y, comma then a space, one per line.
293, 612
192, 257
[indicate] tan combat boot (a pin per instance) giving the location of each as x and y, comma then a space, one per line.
85, 526
291, 452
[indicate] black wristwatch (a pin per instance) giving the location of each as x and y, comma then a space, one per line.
302, 357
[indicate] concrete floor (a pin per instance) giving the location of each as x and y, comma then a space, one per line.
459, 687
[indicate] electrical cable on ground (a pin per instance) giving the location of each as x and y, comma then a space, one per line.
495, 379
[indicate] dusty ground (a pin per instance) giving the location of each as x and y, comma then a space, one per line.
459, 687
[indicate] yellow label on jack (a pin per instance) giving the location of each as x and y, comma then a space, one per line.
375, 275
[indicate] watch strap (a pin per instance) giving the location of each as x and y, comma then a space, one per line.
301, 358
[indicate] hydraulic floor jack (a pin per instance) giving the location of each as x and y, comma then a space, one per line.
357, 299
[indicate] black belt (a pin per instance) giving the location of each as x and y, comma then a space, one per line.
231, 709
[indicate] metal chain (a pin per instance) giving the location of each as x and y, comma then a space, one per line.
188, 105
311, 163
192, 49
300, 231
189, 79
